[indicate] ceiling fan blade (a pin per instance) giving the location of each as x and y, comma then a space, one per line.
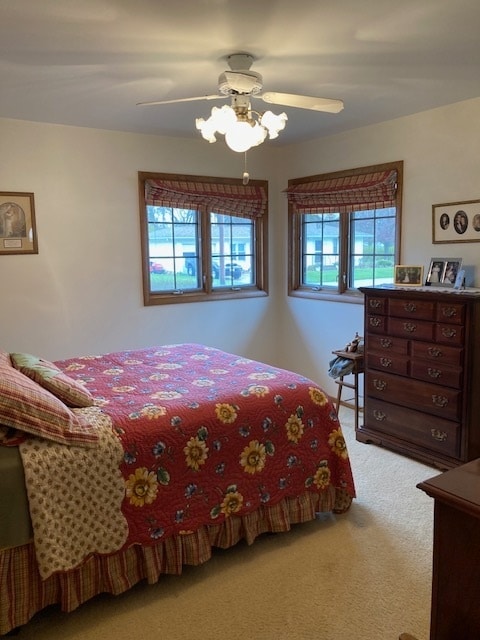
211, 97
303, 102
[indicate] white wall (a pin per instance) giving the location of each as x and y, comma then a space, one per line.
440, 150
83, 292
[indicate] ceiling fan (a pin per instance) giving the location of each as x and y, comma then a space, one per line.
242, 126
241, 80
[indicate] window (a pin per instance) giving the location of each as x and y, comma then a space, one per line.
202, 238
344, 230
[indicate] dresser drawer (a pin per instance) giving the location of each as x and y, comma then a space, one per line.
449, 334
417, 309
376, 324
413, 329
376, 305
434, 433
389, 344
437, 353
437, 373
430, 398
451, 313
392, 362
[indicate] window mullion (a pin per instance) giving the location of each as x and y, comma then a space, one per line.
343, 272
205, 242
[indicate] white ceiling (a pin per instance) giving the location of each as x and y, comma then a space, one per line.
88, 62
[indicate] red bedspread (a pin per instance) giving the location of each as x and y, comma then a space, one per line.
207, 434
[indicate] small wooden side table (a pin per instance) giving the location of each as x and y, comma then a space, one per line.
358, 367
455, 610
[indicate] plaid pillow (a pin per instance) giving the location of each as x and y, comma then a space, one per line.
26, 406
49, 376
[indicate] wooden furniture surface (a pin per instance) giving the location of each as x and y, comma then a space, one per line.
422, 373
455, 612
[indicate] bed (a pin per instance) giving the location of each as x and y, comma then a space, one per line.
122, 467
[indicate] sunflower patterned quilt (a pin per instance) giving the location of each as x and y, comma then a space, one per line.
207, 435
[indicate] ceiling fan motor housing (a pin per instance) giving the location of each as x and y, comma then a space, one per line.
246, 82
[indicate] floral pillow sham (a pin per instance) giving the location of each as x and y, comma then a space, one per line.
50, 377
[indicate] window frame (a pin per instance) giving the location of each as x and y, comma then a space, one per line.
206, 292
295, 252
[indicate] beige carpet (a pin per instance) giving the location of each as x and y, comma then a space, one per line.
365, 575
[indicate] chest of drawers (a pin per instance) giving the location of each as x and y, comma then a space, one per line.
422, 374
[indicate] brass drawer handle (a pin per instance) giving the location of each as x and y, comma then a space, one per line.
410, 327
411, 307
374, 304
379, 415
440, 401
434, 373
449, 312
386, 343
380, 385
448, 332
434, 352
375, 322
439, 435
385, 362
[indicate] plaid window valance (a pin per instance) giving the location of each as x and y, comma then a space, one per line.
247, 201
336, 194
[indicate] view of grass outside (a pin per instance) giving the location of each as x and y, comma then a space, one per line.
361, 276
182, 281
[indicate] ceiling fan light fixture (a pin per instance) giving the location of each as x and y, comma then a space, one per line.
242, 127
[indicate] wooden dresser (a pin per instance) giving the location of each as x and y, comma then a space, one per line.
422, 373
455, 612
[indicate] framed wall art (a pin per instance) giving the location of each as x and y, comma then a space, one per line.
408, 275
456, 222
443, 272
18, 232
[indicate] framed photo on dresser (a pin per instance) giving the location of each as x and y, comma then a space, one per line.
443, 272
408, 275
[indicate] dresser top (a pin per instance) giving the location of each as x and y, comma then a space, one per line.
459, 487
424, 292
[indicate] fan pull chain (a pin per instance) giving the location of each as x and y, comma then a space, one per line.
246, 175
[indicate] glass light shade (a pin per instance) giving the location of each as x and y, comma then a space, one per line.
241, 136
223, 118
274, 123
206, 129
218, 122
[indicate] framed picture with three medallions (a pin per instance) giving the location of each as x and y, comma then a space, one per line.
456, 222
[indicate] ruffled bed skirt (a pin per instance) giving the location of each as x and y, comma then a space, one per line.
23, 593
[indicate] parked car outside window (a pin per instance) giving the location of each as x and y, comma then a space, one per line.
156, 267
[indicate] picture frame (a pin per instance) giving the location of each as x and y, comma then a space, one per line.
18, 231
444, 272
408, 275
456, 222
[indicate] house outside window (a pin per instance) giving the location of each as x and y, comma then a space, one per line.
344, 230
202, 238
